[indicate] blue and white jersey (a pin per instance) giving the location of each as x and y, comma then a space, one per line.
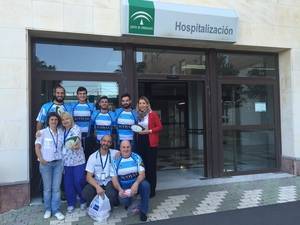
124, 120
128, 169
82, 113
50, 107
103, 123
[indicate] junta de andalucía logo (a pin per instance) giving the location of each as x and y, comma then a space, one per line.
141, 17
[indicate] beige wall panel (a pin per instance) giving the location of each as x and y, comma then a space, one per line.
47, 15
13, 73
104, 26
15, 13
14, 110
77, 18
15, 164
13, 43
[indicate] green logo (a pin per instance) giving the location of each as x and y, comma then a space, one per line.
141, 17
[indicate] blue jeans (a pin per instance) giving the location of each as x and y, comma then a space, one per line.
74, 181
51, 175
144, 192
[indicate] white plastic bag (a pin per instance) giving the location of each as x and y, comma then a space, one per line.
99, 208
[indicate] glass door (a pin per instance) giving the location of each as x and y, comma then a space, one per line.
180, 106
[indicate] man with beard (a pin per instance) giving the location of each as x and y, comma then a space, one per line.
125, 117
57, 105
102, 119
99, 170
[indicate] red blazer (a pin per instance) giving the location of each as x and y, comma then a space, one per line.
155, 125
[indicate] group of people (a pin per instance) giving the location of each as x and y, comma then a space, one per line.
64, 131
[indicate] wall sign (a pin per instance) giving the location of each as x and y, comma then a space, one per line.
158, 19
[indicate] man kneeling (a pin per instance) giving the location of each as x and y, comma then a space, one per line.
129, 179
99, 171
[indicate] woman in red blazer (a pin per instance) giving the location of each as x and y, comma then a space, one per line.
148, 139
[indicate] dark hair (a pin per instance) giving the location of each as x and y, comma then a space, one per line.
59, 86
98, 101
81, 89
54, 114
125, 95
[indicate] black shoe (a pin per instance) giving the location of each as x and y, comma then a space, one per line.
152, 195
125, 207
143, 216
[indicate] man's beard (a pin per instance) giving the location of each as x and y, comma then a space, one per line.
60, 100
127, 106
104, 146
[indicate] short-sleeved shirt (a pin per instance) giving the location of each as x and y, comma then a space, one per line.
72, 157
124, 120
103, 123
95, 167
128, 169
51, 144
50, 107
82, 113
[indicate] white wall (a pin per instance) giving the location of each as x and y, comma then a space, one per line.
272, 23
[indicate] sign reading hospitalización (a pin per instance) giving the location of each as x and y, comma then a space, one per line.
158, 19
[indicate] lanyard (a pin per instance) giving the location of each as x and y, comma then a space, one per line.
55, 142
107, 155
66, 135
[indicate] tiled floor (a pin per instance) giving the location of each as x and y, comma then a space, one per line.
212, 195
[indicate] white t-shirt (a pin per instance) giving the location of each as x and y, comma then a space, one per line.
94, 166
51, 144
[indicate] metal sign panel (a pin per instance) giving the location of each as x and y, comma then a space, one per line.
158, 19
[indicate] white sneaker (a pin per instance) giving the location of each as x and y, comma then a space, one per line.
70, 209
47, 214
83, 206
59, 216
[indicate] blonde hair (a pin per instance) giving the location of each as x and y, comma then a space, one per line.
67, 116
146, 100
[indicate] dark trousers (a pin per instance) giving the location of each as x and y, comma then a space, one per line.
74, 181
89, 192
149, 156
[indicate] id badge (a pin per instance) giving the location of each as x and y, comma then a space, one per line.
103, 176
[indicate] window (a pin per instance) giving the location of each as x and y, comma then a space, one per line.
170, 62
246, 65
58, 57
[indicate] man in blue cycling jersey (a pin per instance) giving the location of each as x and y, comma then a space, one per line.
129, 179
82, 111
125, 117
102, 119
56, 105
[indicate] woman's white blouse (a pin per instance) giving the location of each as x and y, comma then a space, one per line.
51, 145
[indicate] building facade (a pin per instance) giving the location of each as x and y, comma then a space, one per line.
229, 106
